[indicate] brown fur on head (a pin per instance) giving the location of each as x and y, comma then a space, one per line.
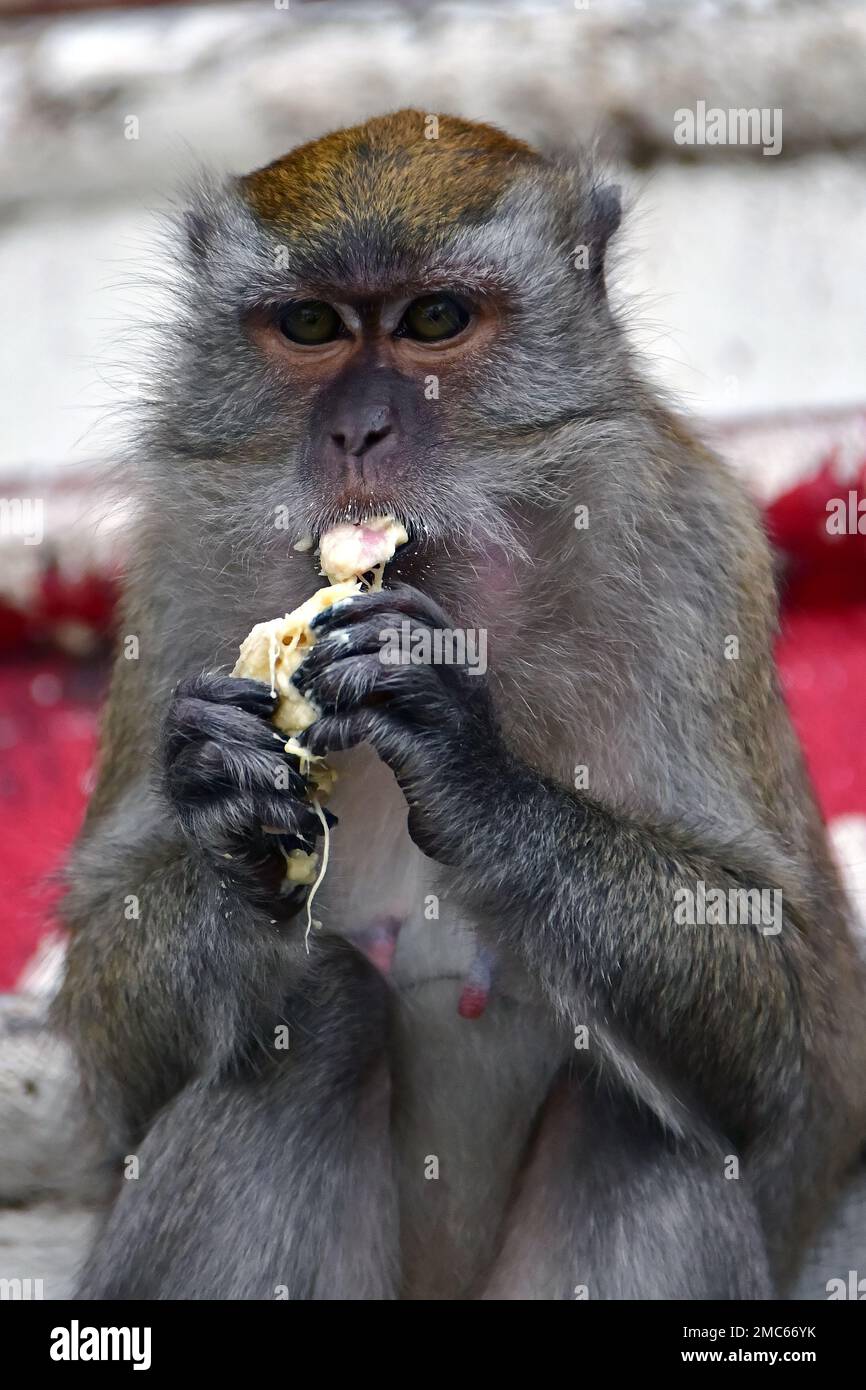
407, 170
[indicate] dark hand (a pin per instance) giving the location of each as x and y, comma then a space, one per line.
230, 781
433, 724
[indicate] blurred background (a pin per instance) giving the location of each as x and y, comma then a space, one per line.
740, 278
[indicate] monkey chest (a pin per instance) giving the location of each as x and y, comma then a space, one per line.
472, 1055
389, 899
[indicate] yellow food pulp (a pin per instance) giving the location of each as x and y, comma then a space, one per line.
301, 867
274, 650
349, 550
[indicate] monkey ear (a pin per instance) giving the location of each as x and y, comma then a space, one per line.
604, 219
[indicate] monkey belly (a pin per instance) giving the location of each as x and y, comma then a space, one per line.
467, 1083
466, 1094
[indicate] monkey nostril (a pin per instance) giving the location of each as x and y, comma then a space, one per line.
372, 437
358, 444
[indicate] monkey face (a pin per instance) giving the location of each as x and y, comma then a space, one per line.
387, 322
373, 371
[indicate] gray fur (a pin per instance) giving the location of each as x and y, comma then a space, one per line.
606, 649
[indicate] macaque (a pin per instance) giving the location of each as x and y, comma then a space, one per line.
633, 1104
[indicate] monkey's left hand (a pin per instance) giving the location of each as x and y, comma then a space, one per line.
433, 724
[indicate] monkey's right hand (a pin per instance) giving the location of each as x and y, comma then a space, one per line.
236, 793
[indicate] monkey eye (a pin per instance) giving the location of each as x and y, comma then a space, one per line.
432, 318
310, 321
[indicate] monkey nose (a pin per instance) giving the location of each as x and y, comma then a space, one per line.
357, 436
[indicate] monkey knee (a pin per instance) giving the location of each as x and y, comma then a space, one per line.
247, 1188
682, 1217
695, 1234
612, 1207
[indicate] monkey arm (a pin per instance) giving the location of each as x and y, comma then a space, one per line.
170, 973
584, 898
589, 903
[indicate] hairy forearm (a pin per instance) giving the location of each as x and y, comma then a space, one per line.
170, 972
587, 901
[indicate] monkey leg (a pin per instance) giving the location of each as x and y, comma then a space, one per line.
609, 1207
270, 1184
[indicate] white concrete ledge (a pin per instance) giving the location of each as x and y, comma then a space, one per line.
237, 84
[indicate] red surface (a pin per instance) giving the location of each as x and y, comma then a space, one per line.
86, 603
48, 710
822, 654
822, 658
48, 718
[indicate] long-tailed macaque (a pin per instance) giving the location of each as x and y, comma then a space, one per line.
582, 1015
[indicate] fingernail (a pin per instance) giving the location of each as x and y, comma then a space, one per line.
326, 613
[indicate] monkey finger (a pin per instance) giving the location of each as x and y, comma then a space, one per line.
274, 830
275, 817
397, 744
401, 599
258, 868
342, 685
210, 770
413, 692
253, 696
396, 639
190, 719
239, 821
335, 733
368, 636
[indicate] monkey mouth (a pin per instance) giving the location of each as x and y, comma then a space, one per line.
357, 511
407, 564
